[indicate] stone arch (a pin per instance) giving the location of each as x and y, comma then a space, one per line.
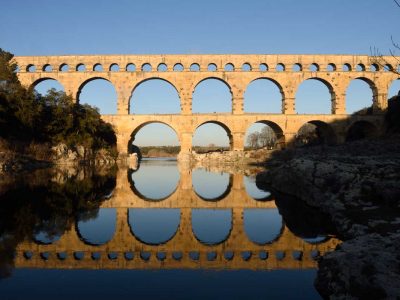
63, 67
30, 68
371, 85
162, 67
328, 85
40, 80
140, 126
331, 67
229, 67
276, 83
212, 67
98, 67
170, 84
213, 198
224, 127
317, 132
212, 77
211, 80
47, 68
80, 67
209, 236
360, 67
314, 67
297, 67
89, 80
278, 131
114, 67
361, 130
138, 220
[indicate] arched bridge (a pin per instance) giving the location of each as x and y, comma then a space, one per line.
185, 72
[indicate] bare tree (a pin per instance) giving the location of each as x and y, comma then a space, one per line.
381, 60
267, 137
253, 139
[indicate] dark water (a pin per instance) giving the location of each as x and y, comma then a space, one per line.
161, 231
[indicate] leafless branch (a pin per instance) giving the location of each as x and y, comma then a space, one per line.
380, 60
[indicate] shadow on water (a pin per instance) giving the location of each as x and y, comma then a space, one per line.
40, 207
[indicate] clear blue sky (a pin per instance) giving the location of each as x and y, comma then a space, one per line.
45, 27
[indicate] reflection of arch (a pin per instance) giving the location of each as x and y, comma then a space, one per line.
218, 198
323, 134
317, 240
361, 130
280, 137
42, 238
143, 197
93, 218
209, 225
225, 127
248, 229
170, 84
138, 232
249, 185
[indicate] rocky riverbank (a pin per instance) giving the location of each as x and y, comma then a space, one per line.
358, 186
231, 157
57, 156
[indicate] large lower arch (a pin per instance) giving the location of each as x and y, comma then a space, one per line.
361, 130
264, 133
315, 96
98, 92
361, 94
97, 228
211, 226
154, 96
208, 135
263, 95
152, 133
43, 85
315, 132
154, 226
211, 95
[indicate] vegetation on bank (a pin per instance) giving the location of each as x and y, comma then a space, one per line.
31, 123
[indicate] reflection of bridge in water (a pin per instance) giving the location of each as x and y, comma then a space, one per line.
183, 249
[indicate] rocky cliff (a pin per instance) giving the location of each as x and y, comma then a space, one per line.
358, 186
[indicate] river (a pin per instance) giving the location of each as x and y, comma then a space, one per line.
163, 230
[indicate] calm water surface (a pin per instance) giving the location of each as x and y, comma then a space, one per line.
160, 231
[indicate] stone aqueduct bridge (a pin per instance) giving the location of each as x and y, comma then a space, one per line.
183, 250
185, 72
